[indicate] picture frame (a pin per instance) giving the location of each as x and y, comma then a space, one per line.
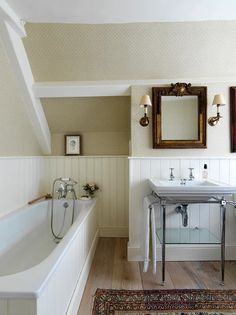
233, 118
72, 145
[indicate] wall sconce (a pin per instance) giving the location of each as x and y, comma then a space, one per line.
218, 101
145, 102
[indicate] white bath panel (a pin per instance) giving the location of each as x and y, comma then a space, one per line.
21, 307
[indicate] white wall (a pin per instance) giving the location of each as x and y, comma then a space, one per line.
220, 169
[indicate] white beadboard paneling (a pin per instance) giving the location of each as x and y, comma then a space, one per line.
224, 171
134, 202
232, 178
176, 165
200, 215
3, 306
155, 169
26, 178
184, 168
22, 179
165, 169
111, 175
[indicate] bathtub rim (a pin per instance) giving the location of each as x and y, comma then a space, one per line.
39, 275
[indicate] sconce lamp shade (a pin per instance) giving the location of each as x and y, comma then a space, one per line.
145, 100
218, 100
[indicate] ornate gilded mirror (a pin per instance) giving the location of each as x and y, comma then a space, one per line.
179, 116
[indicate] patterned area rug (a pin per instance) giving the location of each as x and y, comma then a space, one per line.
166, 302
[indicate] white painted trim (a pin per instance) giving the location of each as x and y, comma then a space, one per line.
85, 156
113, 231
81, 89
112, 87
22, 71
123, 11
79, 290
7, 14
190, 157
186, 252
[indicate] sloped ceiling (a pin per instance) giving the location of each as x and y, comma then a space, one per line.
122, 11
73, 52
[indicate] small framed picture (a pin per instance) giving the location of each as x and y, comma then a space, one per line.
72, 145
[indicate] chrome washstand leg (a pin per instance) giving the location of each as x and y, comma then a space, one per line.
223, 211
163, 205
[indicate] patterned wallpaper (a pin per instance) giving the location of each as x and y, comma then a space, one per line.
131, 51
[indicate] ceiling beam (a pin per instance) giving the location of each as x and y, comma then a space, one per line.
110, 88
82, 89
23, 74
7, 14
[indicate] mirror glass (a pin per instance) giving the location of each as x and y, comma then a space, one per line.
179, 117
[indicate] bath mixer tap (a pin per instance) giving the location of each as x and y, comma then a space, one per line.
66, 185
171, 173
191, 177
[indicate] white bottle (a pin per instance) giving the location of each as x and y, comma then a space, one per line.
205, 172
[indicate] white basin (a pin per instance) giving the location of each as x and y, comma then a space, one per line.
192, 190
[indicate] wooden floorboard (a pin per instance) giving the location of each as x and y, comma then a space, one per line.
111, 270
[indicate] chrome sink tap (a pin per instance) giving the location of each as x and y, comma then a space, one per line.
171, 173
191, 177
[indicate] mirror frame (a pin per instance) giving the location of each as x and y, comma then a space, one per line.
179, 89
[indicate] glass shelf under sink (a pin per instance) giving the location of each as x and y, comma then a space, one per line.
188, 236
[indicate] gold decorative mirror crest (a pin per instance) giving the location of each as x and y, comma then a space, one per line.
179, 89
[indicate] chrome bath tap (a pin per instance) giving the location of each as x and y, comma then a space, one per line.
171, 173
191, 177
66, 187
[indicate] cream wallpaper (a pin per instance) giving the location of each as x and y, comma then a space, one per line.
16, 136
90, 114
95, 143
131, 51
102, 122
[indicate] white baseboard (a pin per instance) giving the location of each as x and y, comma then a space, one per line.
186, 252
113, 231
79, 290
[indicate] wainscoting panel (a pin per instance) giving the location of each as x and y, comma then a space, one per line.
204, 215
111, 175
22, 179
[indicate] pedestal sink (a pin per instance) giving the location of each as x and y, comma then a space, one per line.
190, 190
184, 192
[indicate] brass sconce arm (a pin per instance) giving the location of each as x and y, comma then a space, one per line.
145, 102
218, 101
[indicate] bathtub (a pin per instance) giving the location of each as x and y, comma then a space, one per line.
37, 275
